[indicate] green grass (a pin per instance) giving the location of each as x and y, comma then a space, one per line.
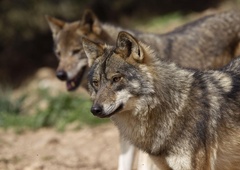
6, 103
63, 110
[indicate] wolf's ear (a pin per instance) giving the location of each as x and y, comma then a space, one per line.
91, 22
129, 46
55, 24
92, 50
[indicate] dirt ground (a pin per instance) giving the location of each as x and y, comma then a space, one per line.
88, 149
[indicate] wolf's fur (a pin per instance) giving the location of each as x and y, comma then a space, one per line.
209, 42
185, 119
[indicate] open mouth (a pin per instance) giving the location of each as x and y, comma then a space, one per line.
119, 108
74, 83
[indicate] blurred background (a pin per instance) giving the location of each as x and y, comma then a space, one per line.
31, 97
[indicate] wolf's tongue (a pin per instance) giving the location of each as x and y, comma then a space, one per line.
70, 85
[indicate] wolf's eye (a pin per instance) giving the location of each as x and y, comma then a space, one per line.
76, 51
95, 83
116, 79
58, 53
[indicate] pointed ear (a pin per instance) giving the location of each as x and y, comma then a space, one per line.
91, 22
92, 50
129, 46
55, 24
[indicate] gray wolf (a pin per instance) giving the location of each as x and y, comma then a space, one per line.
209, 42
185, 119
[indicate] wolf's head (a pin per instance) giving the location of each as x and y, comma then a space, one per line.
118, 75
68, 46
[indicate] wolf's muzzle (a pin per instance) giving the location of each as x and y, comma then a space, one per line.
97, 110
62, 75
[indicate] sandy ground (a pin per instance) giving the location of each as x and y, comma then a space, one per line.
87, 149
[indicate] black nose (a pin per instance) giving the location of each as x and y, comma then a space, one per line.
62, 75
96, 109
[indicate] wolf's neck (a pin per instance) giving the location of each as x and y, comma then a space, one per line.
113, 31
150, 124
156, 41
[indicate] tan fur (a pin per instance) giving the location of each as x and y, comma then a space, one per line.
229, 149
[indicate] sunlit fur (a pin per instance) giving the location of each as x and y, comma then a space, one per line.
184, 119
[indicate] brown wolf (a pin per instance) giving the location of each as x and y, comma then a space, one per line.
184, 119
209, 42
67, 37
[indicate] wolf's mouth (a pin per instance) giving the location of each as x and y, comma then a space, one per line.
74, 83
119, 108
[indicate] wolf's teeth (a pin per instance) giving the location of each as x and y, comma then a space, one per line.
73, 84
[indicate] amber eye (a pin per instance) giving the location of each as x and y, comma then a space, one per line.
76, 51
95, 83
116, 79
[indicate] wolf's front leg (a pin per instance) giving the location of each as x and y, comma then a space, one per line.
127, 153
145, 162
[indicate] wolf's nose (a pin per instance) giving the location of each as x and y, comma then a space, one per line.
96, 109
62, 75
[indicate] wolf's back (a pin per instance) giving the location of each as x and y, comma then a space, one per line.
207, 43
